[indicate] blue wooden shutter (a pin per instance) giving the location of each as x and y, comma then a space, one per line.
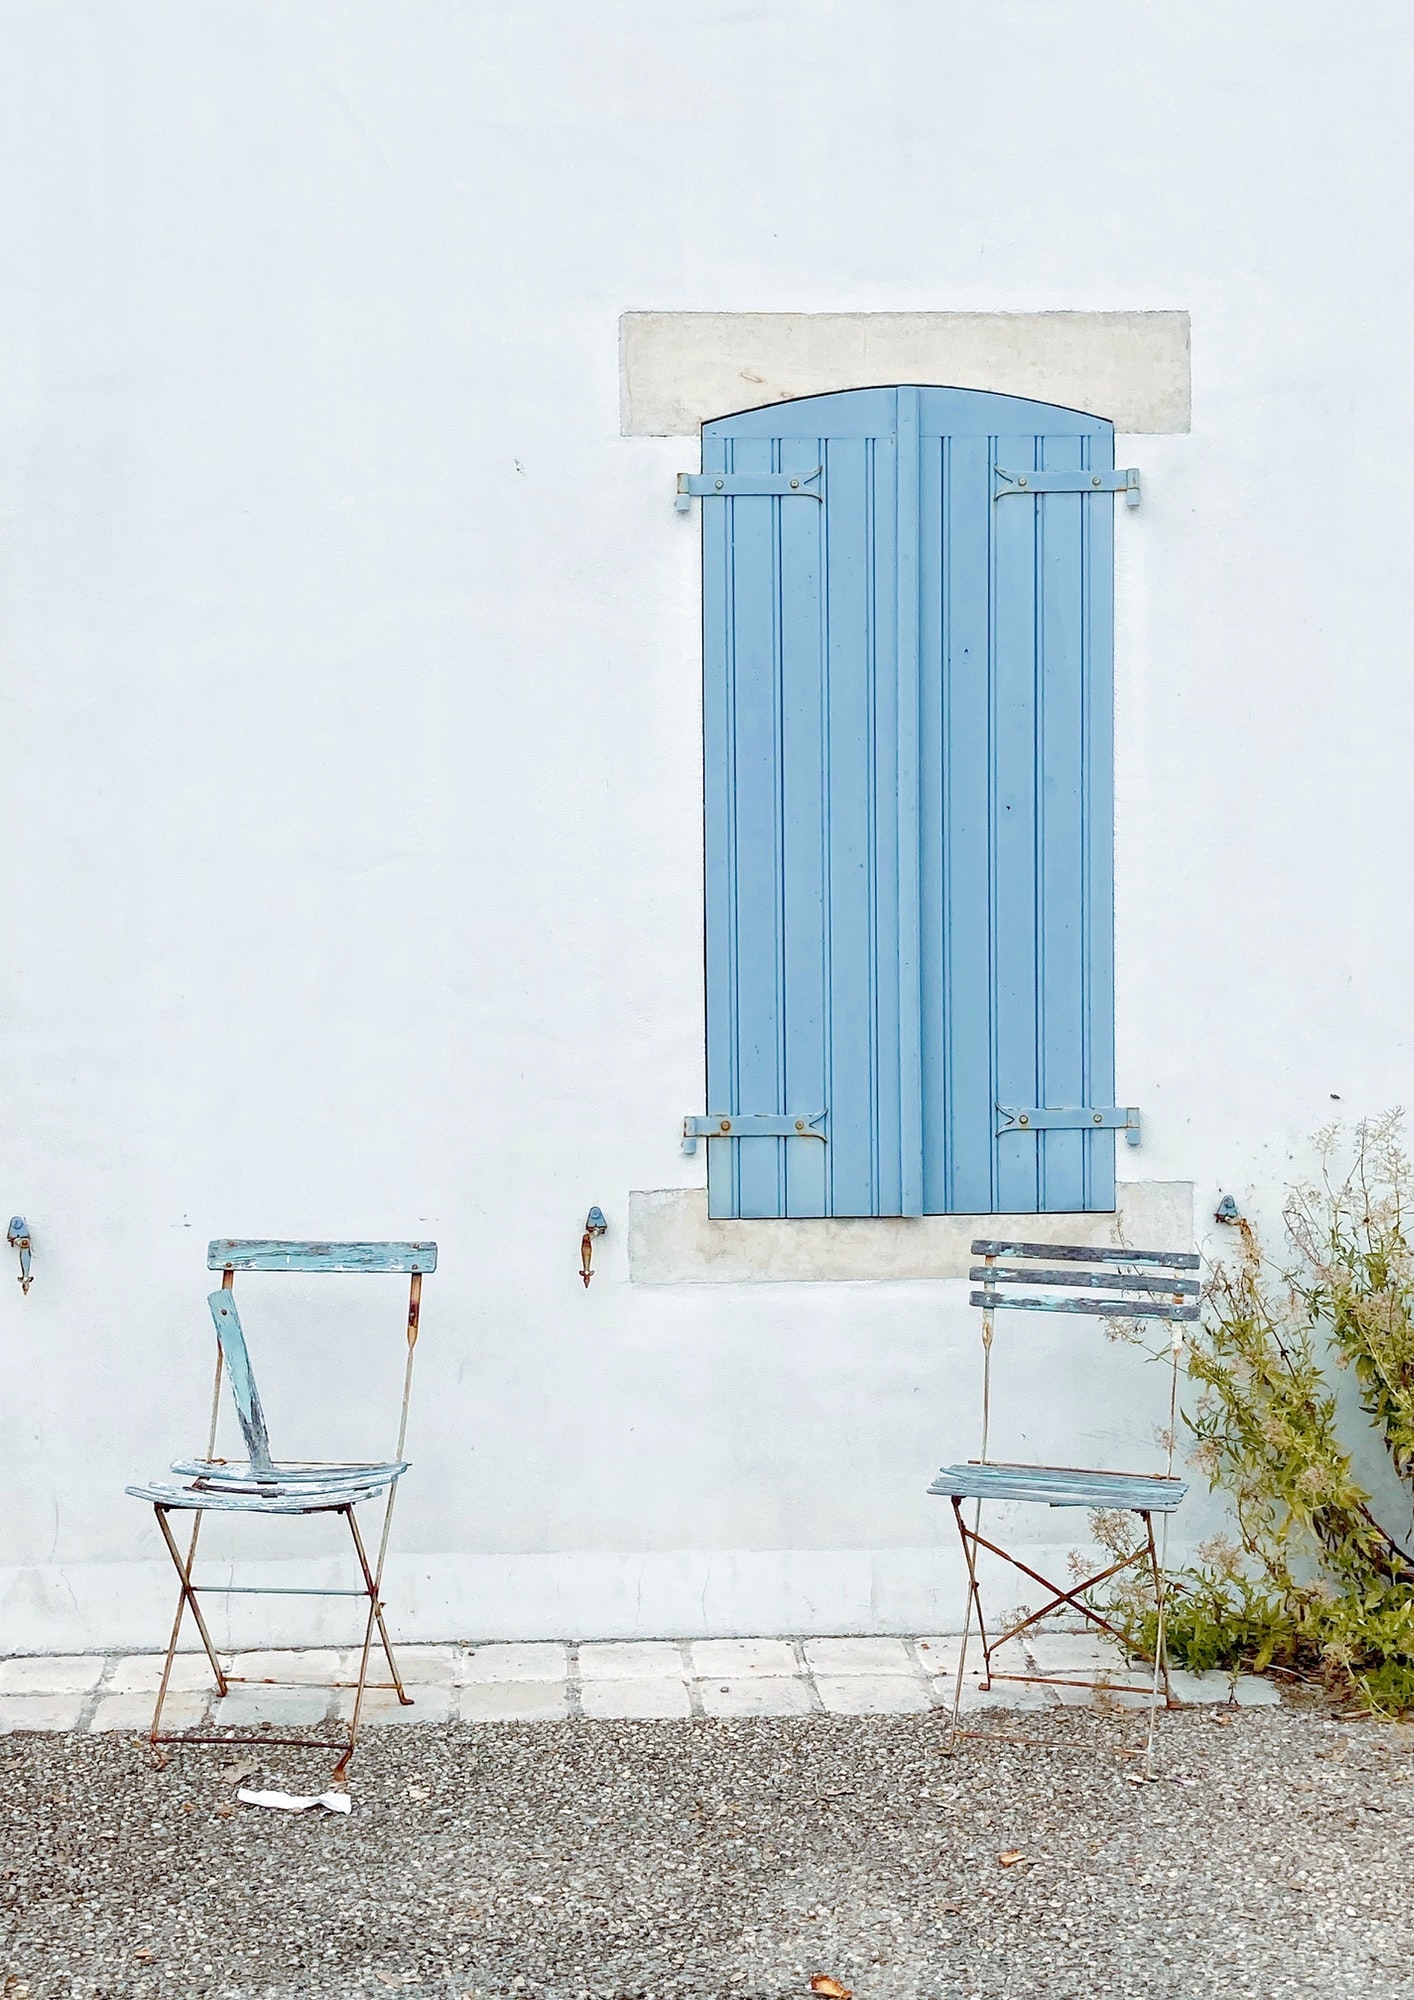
908, 690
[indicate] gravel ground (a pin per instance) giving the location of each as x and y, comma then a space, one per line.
722, 1859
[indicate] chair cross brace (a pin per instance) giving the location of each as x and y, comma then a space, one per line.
972, 1540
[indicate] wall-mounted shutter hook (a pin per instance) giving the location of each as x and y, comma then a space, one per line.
594, 1225
19, 1240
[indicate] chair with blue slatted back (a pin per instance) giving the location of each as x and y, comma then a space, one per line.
260, 1484
1117, 1285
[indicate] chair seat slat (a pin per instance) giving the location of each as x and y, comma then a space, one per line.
1056, 1487
321, 1500
1176, 1260
232, 1253
1104, 1308
231, 1472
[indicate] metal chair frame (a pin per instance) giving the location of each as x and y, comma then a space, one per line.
267, 1486
1154, 1286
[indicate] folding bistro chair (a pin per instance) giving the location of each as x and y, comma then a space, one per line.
262, 1485
1132, 1284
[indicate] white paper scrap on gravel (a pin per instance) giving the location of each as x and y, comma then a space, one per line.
289, 1802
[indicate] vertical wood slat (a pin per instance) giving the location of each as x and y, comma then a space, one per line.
719, 824
804, 833
851, 534
1097, 721
1014, 776
1060, 831
758, 832
962, 1178
907, 628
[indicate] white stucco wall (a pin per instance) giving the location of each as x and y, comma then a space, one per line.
350, 787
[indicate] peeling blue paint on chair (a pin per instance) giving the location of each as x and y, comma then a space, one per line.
1043, 1277
248, 1410
230, 1253
263, 1484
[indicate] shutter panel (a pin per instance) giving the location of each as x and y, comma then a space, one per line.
908, 695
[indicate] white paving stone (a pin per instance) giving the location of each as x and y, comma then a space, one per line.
1001, 1696
939, 1656
141, 1673
873, 1694
858, 1656
638, 1697
52, 1673
630, 1660
770, 1695
244, 1706
134, 1711
513, 1701
525, 1681
430, 1703
1088, 1653
523, 1660
727, 1659
429, 1666
317, 1666
40, 1711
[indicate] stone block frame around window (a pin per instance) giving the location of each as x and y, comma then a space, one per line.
679, 370
672, 1242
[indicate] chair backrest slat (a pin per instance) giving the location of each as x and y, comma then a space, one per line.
237, 1359
1141, 1284
1095, 1281
1072, 1253
1103, 1308
229, 1253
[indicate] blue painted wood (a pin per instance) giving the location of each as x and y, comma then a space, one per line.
804, 969
228, 1253
1062, 1486
269, 1500
247, 1397
995, 1275
1076, 1253
908, 637
719, 820
958, 973
908, 749
226, 1472
1105, 1308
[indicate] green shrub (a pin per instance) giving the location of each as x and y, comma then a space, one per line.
1314, 1584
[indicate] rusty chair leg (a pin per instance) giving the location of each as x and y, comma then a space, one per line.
1161, 1665
375, 1617
186, 1597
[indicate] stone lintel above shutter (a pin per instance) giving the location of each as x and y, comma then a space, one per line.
680, 369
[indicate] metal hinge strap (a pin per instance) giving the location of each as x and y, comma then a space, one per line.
744, 485
1125, 481
751, 1125
1070, 1118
